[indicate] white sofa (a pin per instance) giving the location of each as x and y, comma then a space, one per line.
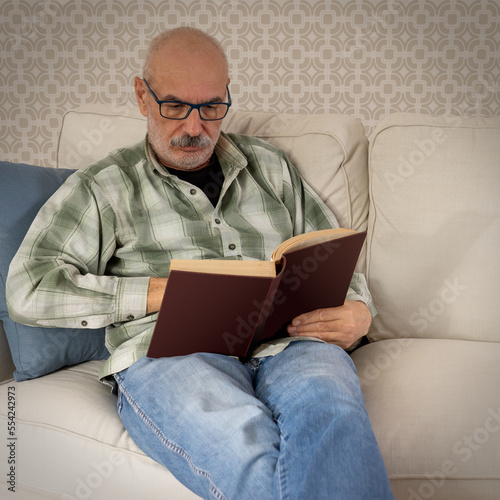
428, 191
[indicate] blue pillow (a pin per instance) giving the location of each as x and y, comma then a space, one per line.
36, 351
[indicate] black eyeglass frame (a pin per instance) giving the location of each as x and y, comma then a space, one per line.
191, 106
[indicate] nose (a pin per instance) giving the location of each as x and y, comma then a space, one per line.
193, 124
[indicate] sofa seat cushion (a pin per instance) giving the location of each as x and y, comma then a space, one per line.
434, 406
72, 444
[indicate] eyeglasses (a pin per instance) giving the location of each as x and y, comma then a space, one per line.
177, 110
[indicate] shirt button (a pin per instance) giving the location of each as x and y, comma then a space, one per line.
193, 191
217, 221
232, 246
130, 317
84, 323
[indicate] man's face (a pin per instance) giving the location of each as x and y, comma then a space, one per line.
183, 144
193, 76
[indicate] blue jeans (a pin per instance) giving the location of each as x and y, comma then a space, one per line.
291, 426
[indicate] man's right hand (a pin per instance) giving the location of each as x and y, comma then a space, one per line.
155, 294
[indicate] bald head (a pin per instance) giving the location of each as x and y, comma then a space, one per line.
185, 66
179, 43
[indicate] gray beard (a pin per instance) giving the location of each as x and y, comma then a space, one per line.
186, 162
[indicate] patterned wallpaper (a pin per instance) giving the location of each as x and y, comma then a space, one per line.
365, 58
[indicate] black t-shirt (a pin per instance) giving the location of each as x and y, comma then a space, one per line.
208, 179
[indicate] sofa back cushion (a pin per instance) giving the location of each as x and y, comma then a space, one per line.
434, 227
90, 132
330, 151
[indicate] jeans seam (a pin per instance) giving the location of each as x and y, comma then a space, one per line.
281, 475
166, 442
280, 485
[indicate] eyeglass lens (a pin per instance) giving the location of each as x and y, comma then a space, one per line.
179, 111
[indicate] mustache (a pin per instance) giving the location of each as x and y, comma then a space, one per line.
187, 141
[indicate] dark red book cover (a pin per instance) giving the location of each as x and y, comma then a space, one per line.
208, 312
203, 312
312, 278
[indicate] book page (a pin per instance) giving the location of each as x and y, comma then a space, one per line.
231, 267
309, 239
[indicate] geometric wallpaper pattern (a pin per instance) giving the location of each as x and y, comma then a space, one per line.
365, 58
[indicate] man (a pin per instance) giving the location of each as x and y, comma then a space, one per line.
290, 423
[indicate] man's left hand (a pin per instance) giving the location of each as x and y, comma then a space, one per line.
342, 325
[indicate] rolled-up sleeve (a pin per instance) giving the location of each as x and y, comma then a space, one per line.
58, 276
358, 291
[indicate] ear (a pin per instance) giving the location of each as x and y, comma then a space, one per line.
141, 93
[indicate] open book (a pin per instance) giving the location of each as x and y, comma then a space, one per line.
230, 306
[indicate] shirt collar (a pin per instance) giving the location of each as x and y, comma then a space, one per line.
227, 150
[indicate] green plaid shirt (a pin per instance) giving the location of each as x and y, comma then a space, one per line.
87, 259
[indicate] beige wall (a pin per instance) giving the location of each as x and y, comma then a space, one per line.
366, 58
